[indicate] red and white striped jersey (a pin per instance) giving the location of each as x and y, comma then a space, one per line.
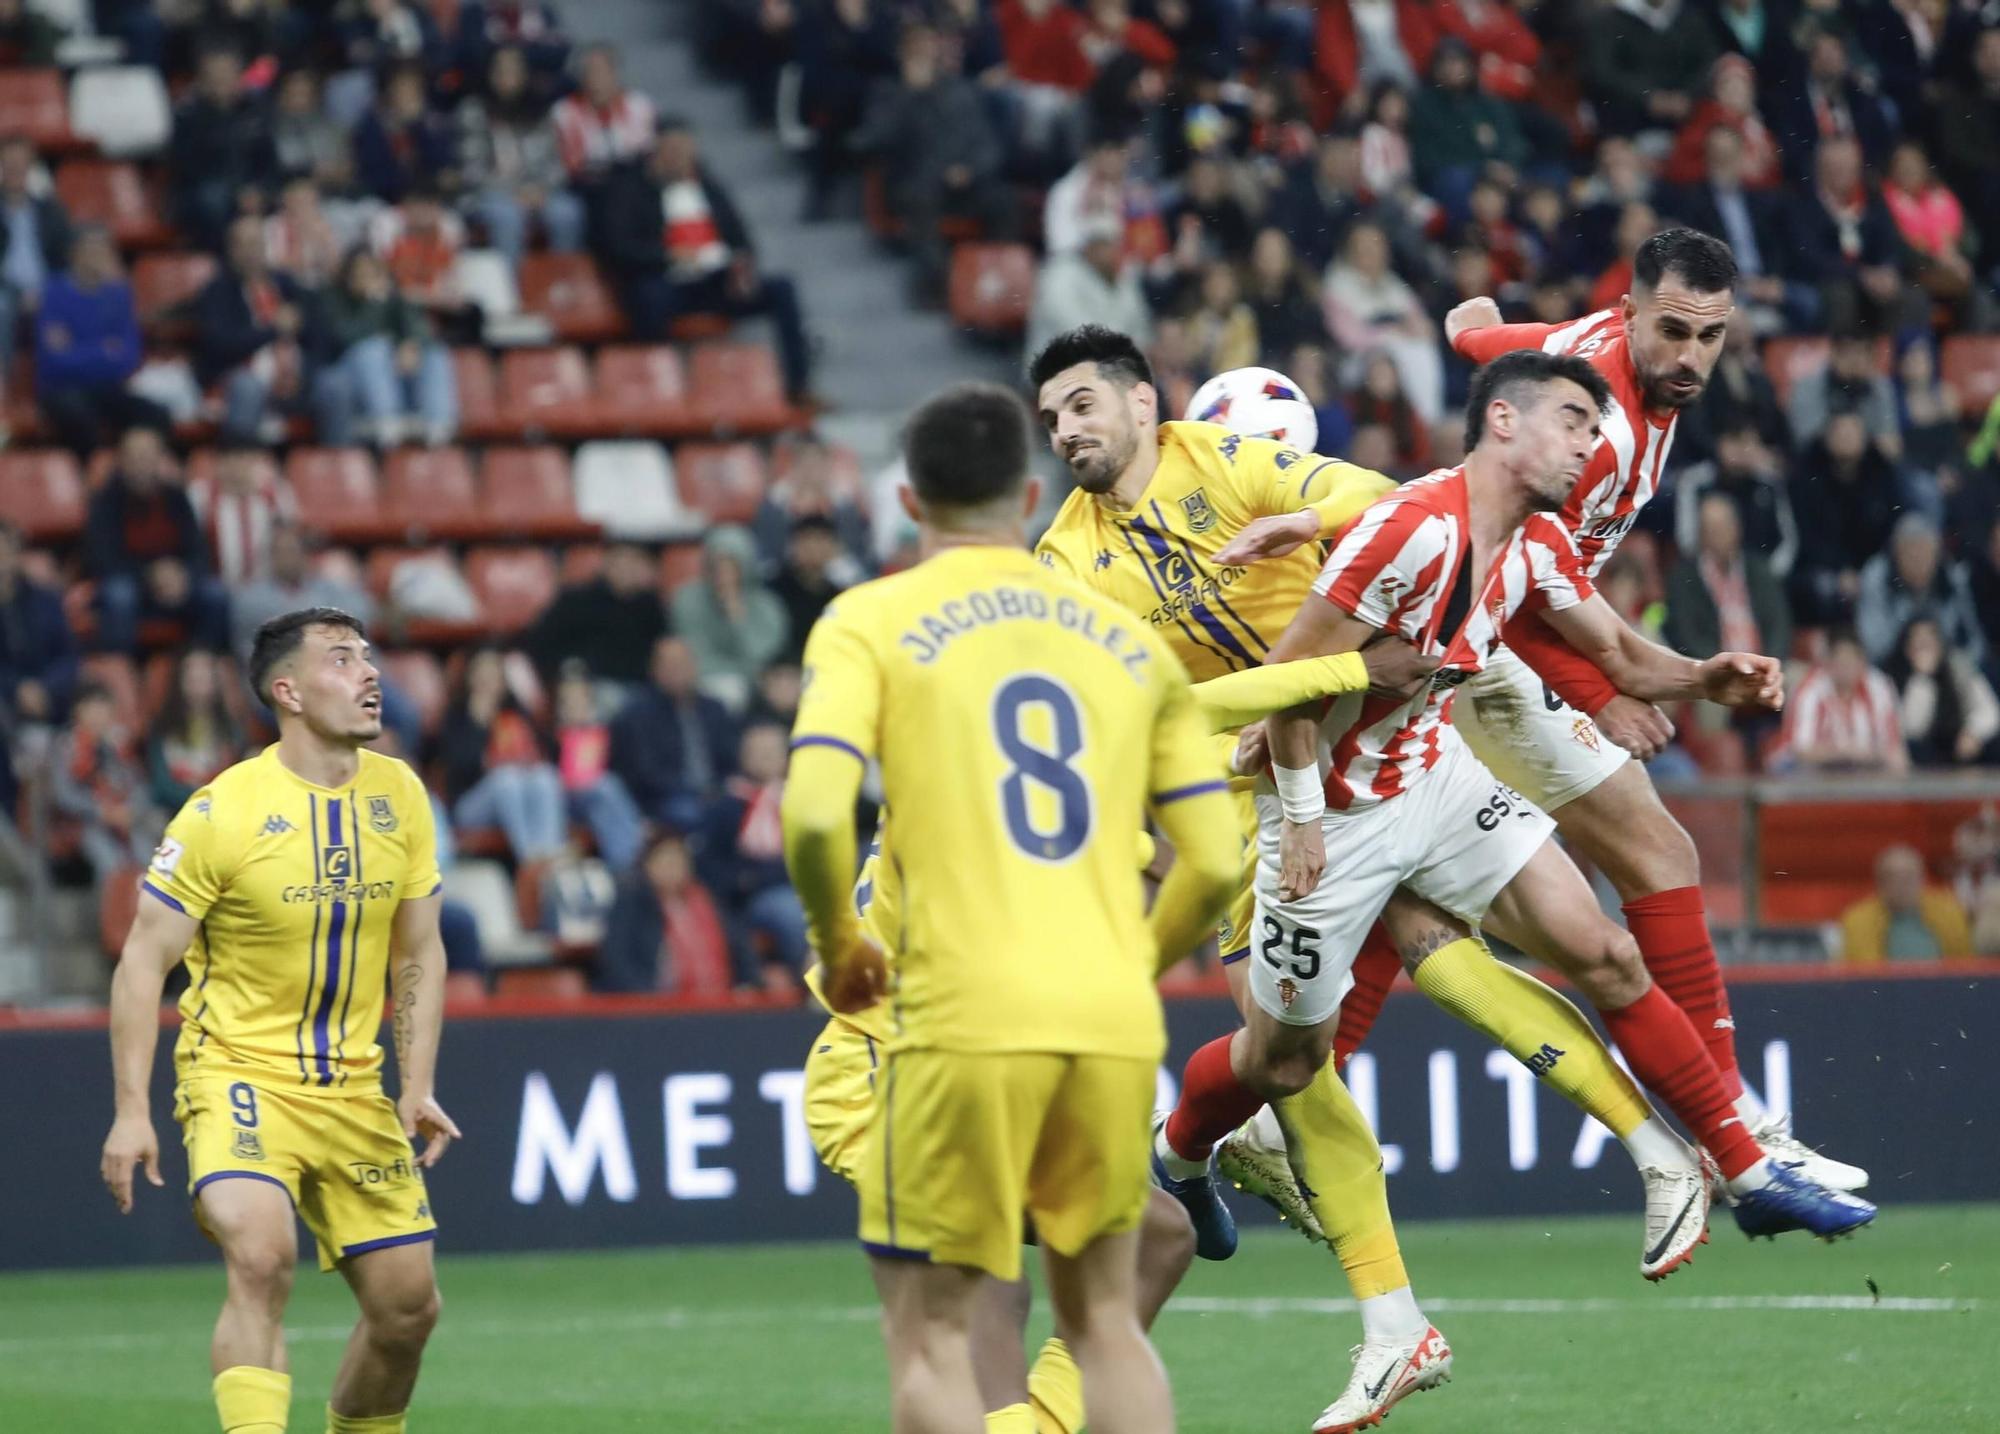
1401, 568
593, 140
239, 524
1868, 719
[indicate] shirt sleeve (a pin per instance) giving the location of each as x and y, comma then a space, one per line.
421, 874
1556, 569
841, 705
1373, 572
1184, 757
1485, 345
189, 869
1229, 701
1283, 480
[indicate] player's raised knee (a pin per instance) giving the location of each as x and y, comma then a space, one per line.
1607, 967
1166, 1236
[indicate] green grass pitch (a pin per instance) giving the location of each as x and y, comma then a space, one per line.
1552, 1328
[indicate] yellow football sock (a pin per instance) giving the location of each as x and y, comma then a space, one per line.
1334, 1155
363, 1423
1534, 1024
1014, 1419
251, 1400
1055, 1389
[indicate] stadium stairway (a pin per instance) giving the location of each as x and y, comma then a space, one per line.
877, 355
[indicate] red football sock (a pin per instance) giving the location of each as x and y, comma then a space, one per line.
1213, 1102
1672, 932
1375, 968
1665, 1053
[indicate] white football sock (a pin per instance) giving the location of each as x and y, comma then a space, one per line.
1654, 1143
1753, 1110
1755, 1178
1385, 1319
1179, 1167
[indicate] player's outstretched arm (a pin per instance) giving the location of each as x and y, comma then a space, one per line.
1320, 629
821, 854
1474, 331
1310, 499
1652, 673
416, 987
1190, 801
1390, 669
159, 937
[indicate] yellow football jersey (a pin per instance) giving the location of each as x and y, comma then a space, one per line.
1023, 725
296, 888
1158, 560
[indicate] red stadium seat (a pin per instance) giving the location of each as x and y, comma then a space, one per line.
1970, 363
546, 390
514, 584
641, 392
115, 673
527, 493
991, 287
572, 295
417, 676
560, 984
479, 414
1789, 360
35, 104
161, 282
42, 494
107, 192
338, 494
430, 491
737, 389
722, 481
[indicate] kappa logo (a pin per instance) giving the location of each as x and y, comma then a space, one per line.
276, 825
1104, 558
247, 1146
1584, 731
1200, 516
381, 816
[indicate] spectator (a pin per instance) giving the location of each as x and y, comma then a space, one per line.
420, 240
529, 26
1320, 200
1388, 169
1969, 109
28, 38
301, 238
1931, 221
1853, 381
1368, 306
1636, 223
809, 484
1498, 239
1911, 580
1758, 30
1097, 192
700, 260
845, 48
36, 241
1308, 367
510, 161
583, 756
1845, 716
665, 933
1206, 203
1459, 136
1623, 175
671, 744
87, 348
307, 142
241, 506
1731, 106
1739, 391
1361, 47
1644, 62
496, 766
1721, 598
1828, 102
1504, 48
601, 128
610, 624
1093, 285
194, 736
1110, 30
291, 584
1927, 412
1222, 327
778, 691
95, 781
1379, 402
1846, 497
1751, 476
742, 860
402, 146
222, 149
940, 156
379, 34
399, 374
1949, 713
734, 624
1723, 202
257, 333
1042, 42
1845, 242
1906, 919
808, 580
144, 550
38, 660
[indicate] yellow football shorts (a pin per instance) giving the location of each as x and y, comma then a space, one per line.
840, 1095
343, 1160
965, 1144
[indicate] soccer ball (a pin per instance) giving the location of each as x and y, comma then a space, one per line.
1257, 403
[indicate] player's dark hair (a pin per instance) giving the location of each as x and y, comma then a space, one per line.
1511, 375
1116, 356
1701, 261
283, 635
1845, 637
967, 446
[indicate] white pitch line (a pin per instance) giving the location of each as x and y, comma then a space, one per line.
640, 1321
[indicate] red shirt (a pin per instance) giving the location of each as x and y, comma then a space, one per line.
1045, 51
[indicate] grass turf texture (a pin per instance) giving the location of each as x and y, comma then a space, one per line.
1552, 1328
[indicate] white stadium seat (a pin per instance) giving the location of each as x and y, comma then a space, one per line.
629, 488
122, 108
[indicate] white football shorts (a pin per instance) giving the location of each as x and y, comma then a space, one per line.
1530, 738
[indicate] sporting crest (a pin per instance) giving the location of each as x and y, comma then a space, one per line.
1288, 991
1200, 516
1584, 730
381, 816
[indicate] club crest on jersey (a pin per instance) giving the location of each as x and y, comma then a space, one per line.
1584, 731
381, 816
1200, 516
166, 856
247, 1146
1288, 991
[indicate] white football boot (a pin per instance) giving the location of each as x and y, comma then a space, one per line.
1786, 1149
1384, 1374
1676, 1217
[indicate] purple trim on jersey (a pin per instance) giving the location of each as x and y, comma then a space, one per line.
148, 886
895, 1252
1233, 957
312, 946
1196, 789
833, 742
329, 990
435, 890
210, 1179
348, 1252
353, 944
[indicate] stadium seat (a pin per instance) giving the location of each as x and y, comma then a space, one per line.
383, 562
430, 491
479, 415
722, 481
526, 493
417, 676
546, 391
737, 389
1789, 360
162, 283
486, 278
541, 983
464, 990
514, 584
338, 494
42, 494
385, 569
572, 295
122, 109
113, 194
680, 564
485, 889
991, 287
33, 104
114, 672
641, 392
628, 489
1970, 363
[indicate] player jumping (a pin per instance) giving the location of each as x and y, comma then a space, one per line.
298, 885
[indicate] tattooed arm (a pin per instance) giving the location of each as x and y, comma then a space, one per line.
416, 993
